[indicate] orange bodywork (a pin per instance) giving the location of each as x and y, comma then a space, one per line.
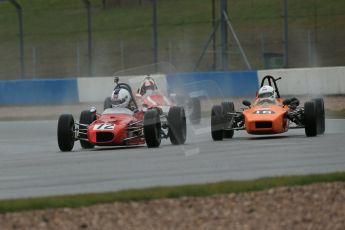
266, 118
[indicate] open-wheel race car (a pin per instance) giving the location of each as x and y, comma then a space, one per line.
122, 126
148, 97
269, 114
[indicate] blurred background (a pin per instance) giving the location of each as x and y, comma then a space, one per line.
56, 43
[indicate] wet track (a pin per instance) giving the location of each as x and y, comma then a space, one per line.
32, 165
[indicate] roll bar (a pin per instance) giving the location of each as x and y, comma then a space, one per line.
271, 82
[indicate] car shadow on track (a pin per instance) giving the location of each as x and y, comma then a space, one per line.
108, 148
269, 137
105, 148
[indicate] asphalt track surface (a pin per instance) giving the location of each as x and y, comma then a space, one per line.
31, 164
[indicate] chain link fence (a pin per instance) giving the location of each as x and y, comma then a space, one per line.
56, 42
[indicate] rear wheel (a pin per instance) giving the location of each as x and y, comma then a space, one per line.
66, 132
177, 125
195, 116
217, 123
107, 103
320, 113
228, 107
86, 118
152, 128
310, 119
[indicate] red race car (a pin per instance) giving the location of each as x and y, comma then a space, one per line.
148, 97
118, 126
269, 114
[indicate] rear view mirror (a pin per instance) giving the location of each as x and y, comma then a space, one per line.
246, 103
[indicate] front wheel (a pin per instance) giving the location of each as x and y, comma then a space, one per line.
217, 123
152, 128
86, 118
177, 125
310, 119
66, 132
228, 107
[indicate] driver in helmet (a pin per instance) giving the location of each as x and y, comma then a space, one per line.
266, 94
148, 85
121, 98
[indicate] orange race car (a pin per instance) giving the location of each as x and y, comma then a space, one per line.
269, 114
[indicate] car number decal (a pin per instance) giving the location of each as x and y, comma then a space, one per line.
104, 126
263, 112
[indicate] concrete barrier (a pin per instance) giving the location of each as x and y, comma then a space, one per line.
304, 81
31, 92
214, 84
309, 81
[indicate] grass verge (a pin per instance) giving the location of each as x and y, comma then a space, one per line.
197, 190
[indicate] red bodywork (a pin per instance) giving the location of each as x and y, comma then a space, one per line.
266, 119
155, 100
111, 129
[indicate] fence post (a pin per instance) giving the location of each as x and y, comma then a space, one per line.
34, 62
21, 36
214, 40
286, 34
122, 53
170, 52
154, 31
263, 48
89, 33
224, 34
78, 59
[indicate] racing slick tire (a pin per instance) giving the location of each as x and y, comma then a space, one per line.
195, 116
86, 118
152, 128
107, 103
310, 119
228, 107
177, 127
65, 132
217, 123
320, 113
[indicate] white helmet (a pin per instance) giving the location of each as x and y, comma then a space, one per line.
120, 98
266, 91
